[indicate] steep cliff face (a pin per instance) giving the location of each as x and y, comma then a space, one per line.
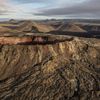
68, 70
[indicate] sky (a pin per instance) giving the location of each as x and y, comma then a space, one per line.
47, 9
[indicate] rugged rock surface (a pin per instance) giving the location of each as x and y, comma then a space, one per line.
68, 70
14, 40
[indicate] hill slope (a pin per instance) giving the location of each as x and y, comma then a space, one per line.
68, 70
29, 26
70, 27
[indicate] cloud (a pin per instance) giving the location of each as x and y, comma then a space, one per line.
86, 9
50, 8
2, 6
31, 1
5, 7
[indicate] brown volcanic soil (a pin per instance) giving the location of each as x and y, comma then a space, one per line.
68, 70
29, 26
43, 27
70, 27
4, 29
26, 26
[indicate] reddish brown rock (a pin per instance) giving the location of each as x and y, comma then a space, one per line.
14, 40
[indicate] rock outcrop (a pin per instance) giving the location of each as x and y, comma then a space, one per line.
67, 70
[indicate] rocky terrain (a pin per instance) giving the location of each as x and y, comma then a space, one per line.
36, 26
49, 67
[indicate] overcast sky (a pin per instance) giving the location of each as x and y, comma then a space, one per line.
41, 9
